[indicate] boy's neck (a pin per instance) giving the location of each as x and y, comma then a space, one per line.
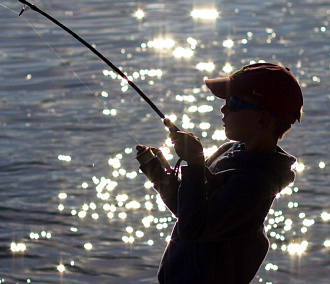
263, 145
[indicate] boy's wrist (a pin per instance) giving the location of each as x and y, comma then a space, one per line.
198, 161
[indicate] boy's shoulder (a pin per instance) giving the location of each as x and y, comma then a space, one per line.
222, 149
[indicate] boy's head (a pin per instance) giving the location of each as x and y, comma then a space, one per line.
271, 87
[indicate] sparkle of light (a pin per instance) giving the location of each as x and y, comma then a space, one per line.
181, 52
92, 206
34, 236
325, 216
286, 191
186, 123
122, 215
112, 112
187, 98
128, 240
210, 150
205, 14
228, 68
192, 42
88, 246
228, 43
321, 165
204, 125
131, 175
139, 14
129, 230
172, 117
299, 167
115, 163
64, 158
121, 197
133, 205
270, 266
296, 248
17, 247
308, 222
82, 214
161, 43
205, 66
62, 195
205, 108
104, 94
148, 205
148, 184
139, 234
219, 135
95, 216
61, 268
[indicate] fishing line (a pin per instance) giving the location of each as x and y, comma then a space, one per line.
103, 104
170, 125
167, 122
75, 74
9, 9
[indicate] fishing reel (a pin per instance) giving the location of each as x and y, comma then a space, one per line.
152, 163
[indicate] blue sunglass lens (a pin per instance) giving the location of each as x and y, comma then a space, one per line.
232, 104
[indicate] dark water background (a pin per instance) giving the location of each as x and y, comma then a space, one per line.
56, 140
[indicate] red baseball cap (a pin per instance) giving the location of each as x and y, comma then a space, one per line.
274, 86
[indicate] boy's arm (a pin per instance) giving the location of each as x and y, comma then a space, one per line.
164, 180
230, 208
168, 191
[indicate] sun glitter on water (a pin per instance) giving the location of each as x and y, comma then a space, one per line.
17, 247
61, 268
139, 14
205, 14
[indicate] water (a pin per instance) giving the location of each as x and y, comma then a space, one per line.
74, 208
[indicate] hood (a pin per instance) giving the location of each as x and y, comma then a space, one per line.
275, 166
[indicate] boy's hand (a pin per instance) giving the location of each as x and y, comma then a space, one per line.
141, 147
188, 147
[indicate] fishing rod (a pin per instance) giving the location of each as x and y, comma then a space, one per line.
168, 123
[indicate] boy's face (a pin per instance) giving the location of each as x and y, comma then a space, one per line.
240, 125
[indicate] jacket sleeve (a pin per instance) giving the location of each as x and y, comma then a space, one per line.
232, 206
168, 191
165, 183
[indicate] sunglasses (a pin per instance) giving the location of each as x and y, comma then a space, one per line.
235, 104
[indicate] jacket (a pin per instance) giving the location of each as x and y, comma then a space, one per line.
219, 234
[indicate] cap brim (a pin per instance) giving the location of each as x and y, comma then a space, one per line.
220, 87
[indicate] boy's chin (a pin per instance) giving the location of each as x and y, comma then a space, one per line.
230, 135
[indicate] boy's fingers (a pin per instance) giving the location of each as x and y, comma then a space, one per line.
176, 136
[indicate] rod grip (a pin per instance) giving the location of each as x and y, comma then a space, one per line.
170, 125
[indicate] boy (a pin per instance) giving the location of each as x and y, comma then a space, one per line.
221, 203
